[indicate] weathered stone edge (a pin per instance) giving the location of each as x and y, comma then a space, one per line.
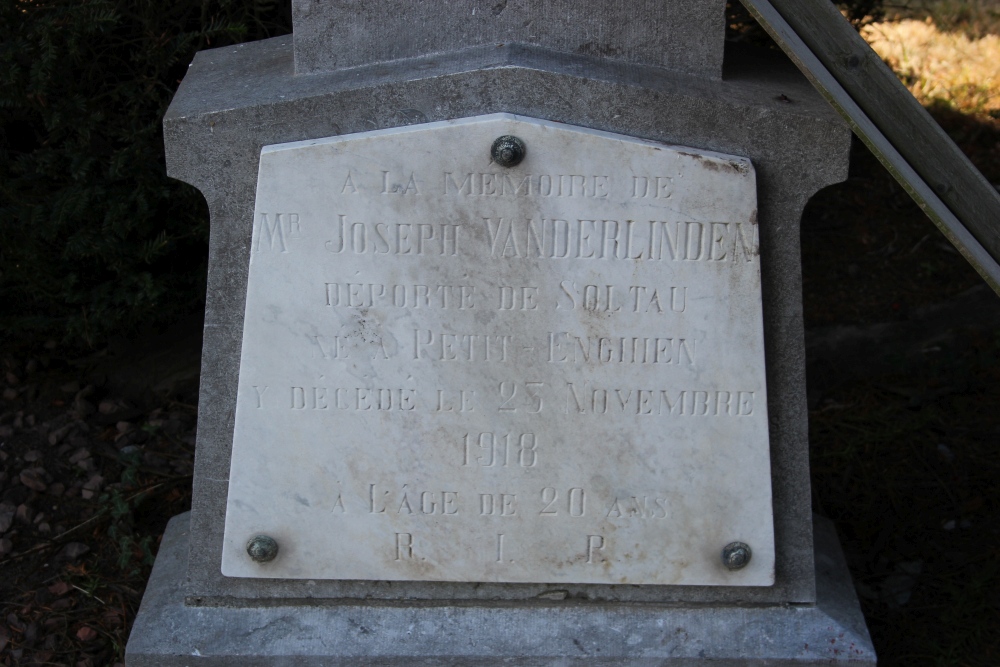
169, 634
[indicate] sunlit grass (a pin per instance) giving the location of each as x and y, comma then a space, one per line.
976, 18
945, 51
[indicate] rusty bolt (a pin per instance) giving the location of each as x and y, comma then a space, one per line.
262, 548
736, 555
507, 151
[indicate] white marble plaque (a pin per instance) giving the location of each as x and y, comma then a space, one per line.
456, 371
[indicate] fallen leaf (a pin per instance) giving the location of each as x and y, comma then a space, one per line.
24, 513
86, 634
112, 618
973, 505
73, 550
60, 588
56, 436
7, 512
34, 479
79, 455
79, 570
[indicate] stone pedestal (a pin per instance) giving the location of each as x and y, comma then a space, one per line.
657, 73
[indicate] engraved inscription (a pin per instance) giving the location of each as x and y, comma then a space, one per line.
530, 399
379, 238
658, 187
490, 449
518, 298
408, 501
441, 346
498, 504
661, 402
571, 503
616, 298
364, 399
404, 546
453, 371
490, 184
656, 240
379, 295
273, 229
642, 507
595, 545
565, 347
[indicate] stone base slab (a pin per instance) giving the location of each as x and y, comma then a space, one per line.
168, 632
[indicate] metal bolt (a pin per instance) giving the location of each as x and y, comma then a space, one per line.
262, 548
507, 151
736, 555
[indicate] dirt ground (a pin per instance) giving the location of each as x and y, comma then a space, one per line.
904, 426
904, 453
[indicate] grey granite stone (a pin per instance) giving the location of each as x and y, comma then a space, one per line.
237, 99
554, 630
683, 35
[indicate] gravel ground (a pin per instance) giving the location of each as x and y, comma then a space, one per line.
89, 479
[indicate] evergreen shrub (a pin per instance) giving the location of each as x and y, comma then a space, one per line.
94, 238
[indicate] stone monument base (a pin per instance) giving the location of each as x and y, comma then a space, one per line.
168, 632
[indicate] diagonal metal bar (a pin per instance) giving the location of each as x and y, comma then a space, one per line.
897, 129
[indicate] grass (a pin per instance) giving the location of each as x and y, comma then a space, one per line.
976, 18
946, 52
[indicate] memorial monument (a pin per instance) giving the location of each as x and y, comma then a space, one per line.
503, 346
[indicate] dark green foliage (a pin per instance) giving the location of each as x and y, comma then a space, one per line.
94, 238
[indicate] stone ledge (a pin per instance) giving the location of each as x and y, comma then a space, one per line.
683, 35
255, 74
168, 633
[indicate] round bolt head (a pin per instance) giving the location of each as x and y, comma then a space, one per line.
262, 549
736, 555
507, 150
